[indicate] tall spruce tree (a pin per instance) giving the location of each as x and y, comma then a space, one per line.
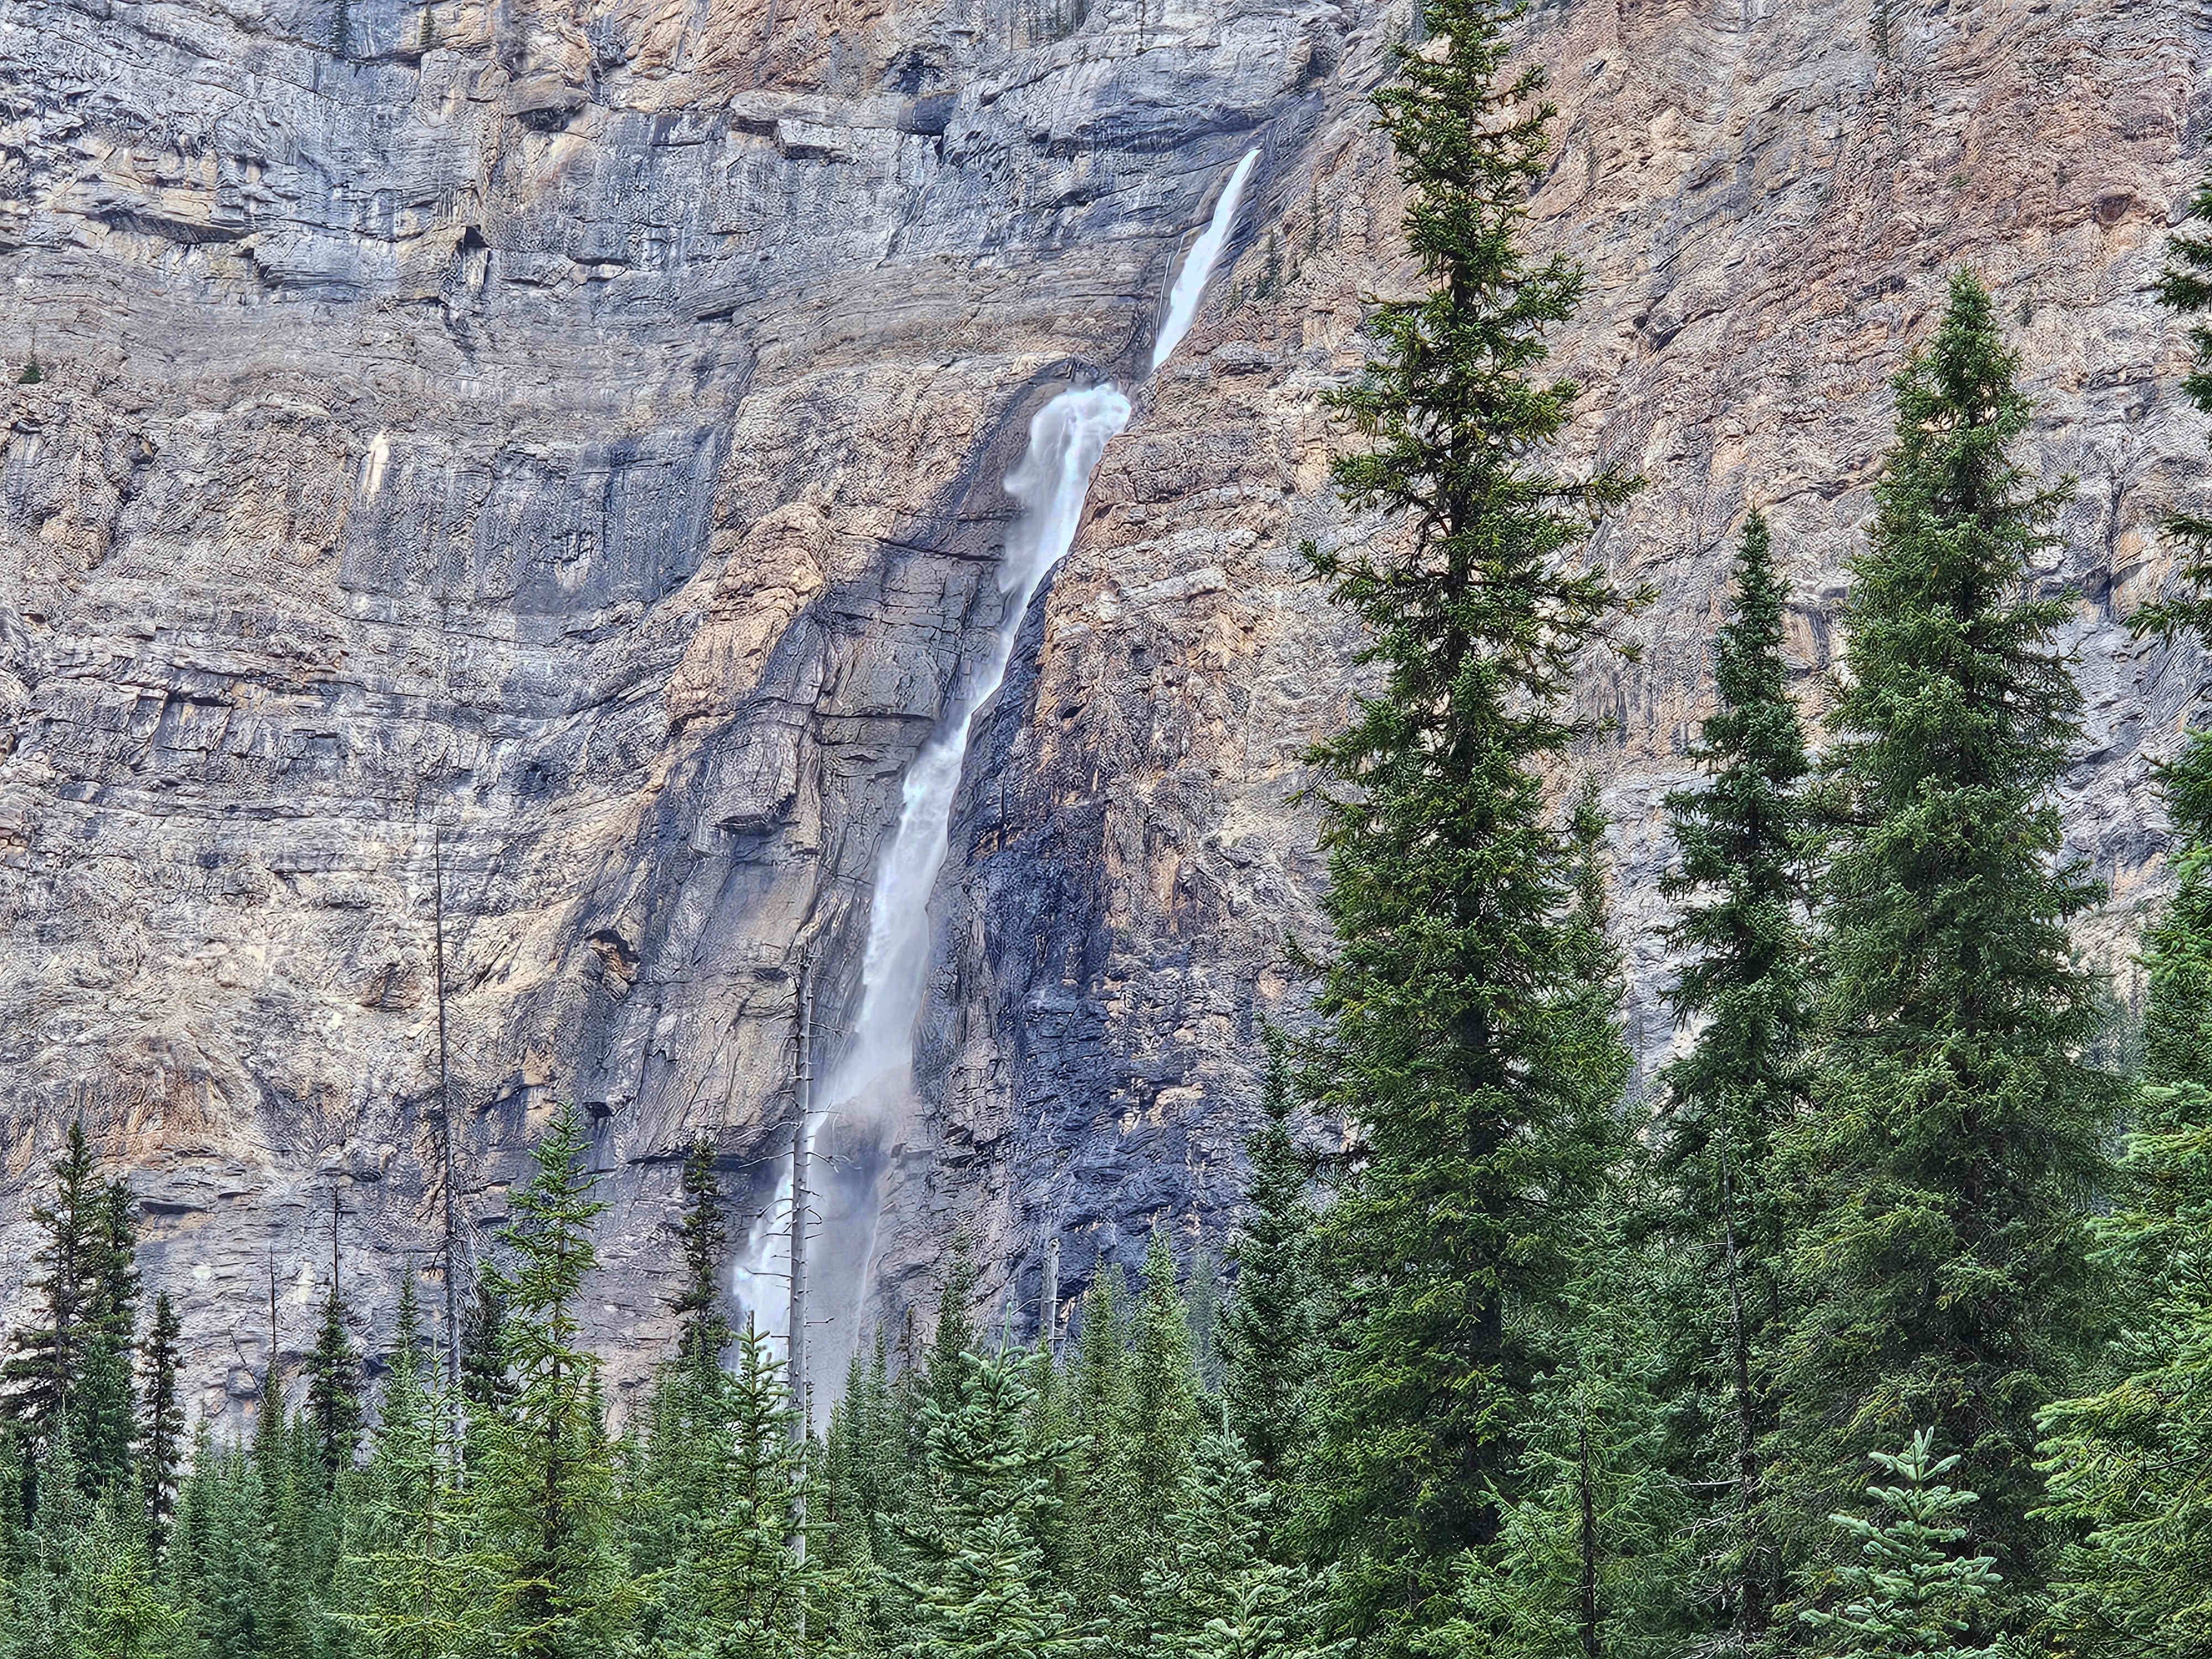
162, 1425
1447, 1041
975, 1586
42, 1375
1594, 1558
103, 1408
1743, 857
1271, 1327
1955, 1138
1103, 1555
544, 1501
1210, 1591
701, 1307
2129, 1466
1164, 1402
334, 1406
2185, 285
405, 1580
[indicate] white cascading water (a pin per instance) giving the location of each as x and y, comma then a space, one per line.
875, 1076
1066, 438
1197, 268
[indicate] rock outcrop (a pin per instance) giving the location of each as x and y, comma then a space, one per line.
559, 443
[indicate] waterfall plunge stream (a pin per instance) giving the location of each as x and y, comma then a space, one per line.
874, 1077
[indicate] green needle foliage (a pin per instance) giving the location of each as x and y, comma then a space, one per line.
1909, 1593
1163, 1415
1743, 857
1956, 1141
162, 1425
973, 1586
44, 1375
1593, 1560
701, 1306
2129, 1466
1271, 1327
334, 1388
544, 1504
1457, 1036
402, 1581
2185, 285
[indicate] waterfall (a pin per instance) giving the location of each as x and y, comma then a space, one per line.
1198, 265
874, 1078
1066, 438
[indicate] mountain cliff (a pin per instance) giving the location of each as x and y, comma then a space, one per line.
552, 456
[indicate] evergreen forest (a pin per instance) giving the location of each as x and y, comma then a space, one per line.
1876, 1321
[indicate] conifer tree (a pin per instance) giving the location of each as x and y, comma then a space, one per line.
334, 1406
1456, 1039
1271, 1327
405, 1580
1103, 1554
1956, 1133
102, 1409
701, 1307
161, 1425
955, 1333
1593, 1558
2129, 1466
1743, 860
1163, 1420
975, 1587
2185, 285
544, 1503
286, 1611
114, 1609
1909, 1593
1210, 1592
41, 1377
738, 1588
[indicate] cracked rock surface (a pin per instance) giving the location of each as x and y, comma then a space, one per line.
558, 444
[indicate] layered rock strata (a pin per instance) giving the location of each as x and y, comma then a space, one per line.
561, 443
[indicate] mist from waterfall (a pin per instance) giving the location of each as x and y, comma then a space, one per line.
874, 1077
1198, 265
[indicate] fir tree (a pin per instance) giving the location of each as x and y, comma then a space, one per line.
1456, 1039
161, 1425
955, 1334
1743, 848
42, 1375
1271, 1327
1593, 1558
2129, 1466
114, 1609
975, 1586
102, 1408
744, 1593
1210, 1592
701, 1308
1164, 1419
404, 1581
1909, 1593
334, 1388
1103, 1554
2185, 285
1956, 1133
545, 1498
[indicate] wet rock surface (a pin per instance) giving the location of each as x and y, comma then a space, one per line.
562, 444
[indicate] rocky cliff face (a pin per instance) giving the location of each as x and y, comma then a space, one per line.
562, 444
